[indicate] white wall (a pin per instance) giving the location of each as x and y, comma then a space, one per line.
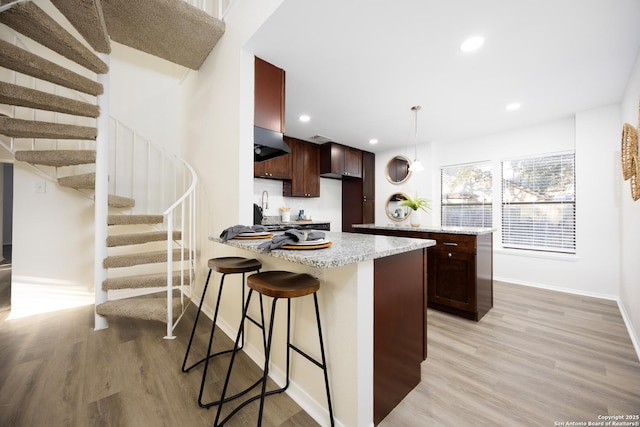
53, 236
145, 94
326, 208
630, 216
218, 126
420, 182
591, 271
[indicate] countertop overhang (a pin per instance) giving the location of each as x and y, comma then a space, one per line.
476, 231
346, 248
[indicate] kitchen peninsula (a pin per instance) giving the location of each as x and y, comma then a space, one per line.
373, 309
459, 267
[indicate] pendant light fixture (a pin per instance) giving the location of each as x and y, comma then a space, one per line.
416, 166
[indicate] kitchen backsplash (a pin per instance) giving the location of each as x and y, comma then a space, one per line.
327, 207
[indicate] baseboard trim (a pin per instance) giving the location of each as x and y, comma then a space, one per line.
306, 402
632, 332
625, 317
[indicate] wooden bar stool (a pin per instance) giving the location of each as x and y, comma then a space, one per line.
277, 284
224, 265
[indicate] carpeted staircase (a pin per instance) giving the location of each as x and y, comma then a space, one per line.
170, 29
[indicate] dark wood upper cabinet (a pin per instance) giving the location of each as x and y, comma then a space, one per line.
359, 197
269, 87
368, 176
339, 161
368, 187
277, 168
305, 169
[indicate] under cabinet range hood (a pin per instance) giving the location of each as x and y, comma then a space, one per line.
268, 144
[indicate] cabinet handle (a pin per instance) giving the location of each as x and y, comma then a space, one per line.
449, 254
450, 244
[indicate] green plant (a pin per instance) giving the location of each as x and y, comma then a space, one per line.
416, 203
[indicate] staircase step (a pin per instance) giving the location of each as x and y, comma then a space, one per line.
33, 22
17, 128
140, 238
85, 181
169, 29
57, 158
17, 59
121, 202
87, 17
146, 307
20, 96
134, 219
143, 281
129, 260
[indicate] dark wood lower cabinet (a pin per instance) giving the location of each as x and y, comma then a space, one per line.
400, 328
452, 278
459, 272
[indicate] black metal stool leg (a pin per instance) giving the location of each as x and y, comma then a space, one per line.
267, 356
324, 360
209, 355
271, 284
195, 323
233, 357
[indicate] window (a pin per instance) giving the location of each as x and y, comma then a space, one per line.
539, 203
466, 195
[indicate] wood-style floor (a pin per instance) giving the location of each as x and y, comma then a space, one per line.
536, 358
56, 371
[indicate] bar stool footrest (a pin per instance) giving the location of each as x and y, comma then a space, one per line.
306, 356
250, 400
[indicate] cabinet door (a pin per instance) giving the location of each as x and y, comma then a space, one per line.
269, 82
276, 168
338, 161
311, 170
368, 212
352, 162
305, 176
452, 279
351, 204
368, 176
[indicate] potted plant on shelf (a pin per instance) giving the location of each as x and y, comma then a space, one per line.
416, 204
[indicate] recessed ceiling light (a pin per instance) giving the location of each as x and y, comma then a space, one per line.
373, 141
513, 106
304, 118
472, 43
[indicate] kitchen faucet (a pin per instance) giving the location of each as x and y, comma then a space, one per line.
265, 205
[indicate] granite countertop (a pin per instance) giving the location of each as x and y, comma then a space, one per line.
476, 231
346, 248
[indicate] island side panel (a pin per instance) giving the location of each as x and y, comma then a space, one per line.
399, 328
484, 274
346, 311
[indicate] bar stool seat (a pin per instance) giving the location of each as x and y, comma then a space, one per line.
277, 285
283, 284
224, 265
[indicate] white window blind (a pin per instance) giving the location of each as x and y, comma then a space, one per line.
466, 195
538, 203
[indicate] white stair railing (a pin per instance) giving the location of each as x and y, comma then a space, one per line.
158, 182
183, 211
